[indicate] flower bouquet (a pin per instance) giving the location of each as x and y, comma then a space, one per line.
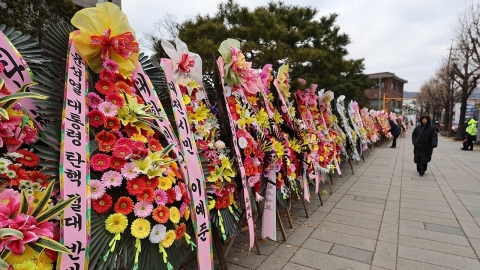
356, 120
369, 125
352, 136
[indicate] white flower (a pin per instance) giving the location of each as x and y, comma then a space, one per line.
158, 233
219, 145
227, 90
200, 95
5, 162
186, 65
258, 198
242, 142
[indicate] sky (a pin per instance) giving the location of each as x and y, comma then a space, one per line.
406, 37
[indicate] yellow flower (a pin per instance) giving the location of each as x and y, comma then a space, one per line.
164, 183
211, 203
138, 138
215, 174
262, 118
125, 116
27, 255
140, 228
13, 112
226, 163
245, 118
156, 172
169, 238
94, 22
279, 148
143, 165
284, 80
37, 196
44, 262
186, 99
295, 145
186, 215
200, 114
270, 97
277, 117
252, 99
174, 214
26, 265
228, 174
116, 223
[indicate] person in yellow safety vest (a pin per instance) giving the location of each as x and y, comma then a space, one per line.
471, 133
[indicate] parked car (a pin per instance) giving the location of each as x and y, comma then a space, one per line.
454, 128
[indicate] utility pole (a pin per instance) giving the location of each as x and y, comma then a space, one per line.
450, 92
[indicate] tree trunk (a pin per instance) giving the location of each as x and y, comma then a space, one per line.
461, 121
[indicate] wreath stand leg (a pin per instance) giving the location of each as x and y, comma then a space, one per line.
219, 249
305, 207
350, 156
320, 197
280, 225
244, 229
330, 183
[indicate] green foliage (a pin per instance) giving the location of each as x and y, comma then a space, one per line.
32, 16
277, 33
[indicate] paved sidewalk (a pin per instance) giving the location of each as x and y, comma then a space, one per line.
385, 216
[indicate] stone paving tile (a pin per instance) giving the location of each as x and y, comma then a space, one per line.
348, 213
360, 209
435, 236
246, 259
294, 266
370, 199
317, 245
406, 264
434, 257
345, 239
435, 208
428, 213
443, 229
436, 220
343, 228
235, 267
436, 246
385, 255
467, 192
355, 254
353, 221
412, 224
279, 257
388, 233
471, 229
322, 261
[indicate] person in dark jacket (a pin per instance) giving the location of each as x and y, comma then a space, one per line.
424, 139
395, 131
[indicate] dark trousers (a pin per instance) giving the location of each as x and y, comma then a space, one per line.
394, 143
469, 142
421, 167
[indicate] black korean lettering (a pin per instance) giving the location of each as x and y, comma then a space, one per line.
77, 72
75, 104
74, 158
202, 232
76, 206
176, 104
74, 176
167, 133
200, 208
77, 59
142, 85
196, 186
74, 221
187, 143
75, 118
15, 68
171, 86
77, 86
75, 135
76, 248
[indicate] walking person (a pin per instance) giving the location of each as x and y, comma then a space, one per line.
471, 131
424, 139
395, 131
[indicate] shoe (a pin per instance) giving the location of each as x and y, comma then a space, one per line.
463, 149
421, 173
470, 149
393, 147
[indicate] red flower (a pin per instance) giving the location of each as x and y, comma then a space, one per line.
20, 174
135, 186
122, 151
201, 144
115, 99
38, 177
152, 183
180, 231
96, 118
147, 194
222, 202
29, 159
100, 162
112, 123
105, 87
103, 204
139, 149
171, 195
106, 75
161, 214
105, 147
106, 137
130, 130
124, 141
124, 205
154, 145
121, 86
117, 163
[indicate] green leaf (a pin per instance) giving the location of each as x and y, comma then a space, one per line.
51, 244
3, 265
56, 210
36, 247
167, 149
5, 232
43, 202
4, 113
23, 209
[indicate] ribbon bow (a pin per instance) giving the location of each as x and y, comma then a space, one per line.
123, 44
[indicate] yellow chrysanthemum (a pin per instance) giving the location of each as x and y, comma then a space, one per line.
174, 214
138, 138
44, 262
116, 223
252, 99
262, 118
26, 265
140, 228
186, 215
201, 113
186, 99
277, 117
284, 80
164, 183
169, 238
28, 254
211, 203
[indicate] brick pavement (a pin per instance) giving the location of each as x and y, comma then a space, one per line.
385, 216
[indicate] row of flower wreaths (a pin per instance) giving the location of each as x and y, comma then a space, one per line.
146, 183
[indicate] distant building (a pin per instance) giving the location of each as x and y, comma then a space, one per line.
386, 83
91, 3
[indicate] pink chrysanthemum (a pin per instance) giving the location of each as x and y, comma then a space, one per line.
122, 151
108, 108
178, 192
110, 65
94, 100
128, 171
143, 209
182, 209
161, 197
112, 179
97, 189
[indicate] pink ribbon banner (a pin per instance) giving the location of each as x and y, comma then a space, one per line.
147, 92
74, 163
194, 170
246, 193
16, 74
269, 224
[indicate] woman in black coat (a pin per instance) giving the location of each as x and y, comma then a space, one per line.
424, 139
395, 130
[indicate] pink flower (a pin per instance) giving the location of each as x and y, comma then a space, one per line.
108, 108
97, 189
110, 65
252, 180
182, 209
128, 171
94, 100
178, 192
161, 197
143, 209
186, 63
112, 179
